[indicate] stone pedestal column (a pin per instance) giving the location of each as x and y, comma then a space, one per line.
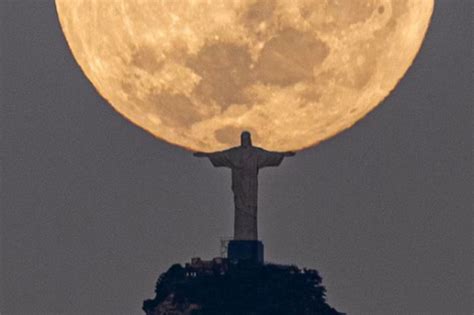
250, 251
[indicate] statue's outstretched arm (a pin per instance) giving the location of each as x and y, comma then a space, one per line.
270, 158
219, 158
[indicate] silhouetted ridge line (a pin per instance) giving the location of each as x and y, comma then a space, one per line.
219, 287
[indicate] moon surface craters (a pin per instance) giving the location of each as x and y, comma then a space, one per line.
196, 72
175, 110
290, 57
224, 70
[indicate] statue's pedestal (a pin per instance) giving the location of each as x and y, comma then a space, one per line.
240, 250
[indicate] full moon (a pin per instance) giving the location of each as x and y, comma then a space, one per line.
196, 73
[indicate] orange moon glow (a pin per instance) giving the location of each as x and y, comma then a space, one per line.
196, 73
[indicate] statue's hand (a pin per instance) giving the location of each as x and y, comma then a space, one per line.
200, 154
289, 153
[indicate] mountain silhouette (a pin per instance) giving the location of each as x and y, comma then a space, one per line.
225, 287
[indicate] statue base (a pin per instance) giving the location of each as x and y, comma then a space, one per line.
242, 250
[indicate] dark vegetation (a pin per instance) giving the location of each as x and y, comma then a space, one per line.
244, 289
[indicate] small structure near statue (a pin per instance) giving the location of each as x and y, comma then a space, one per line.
198, 267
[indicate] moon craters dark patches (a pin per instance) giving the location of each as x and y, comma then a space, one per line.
126, 86
398, 9
312, 93
230, 135
258, 12
362, 67
290, 57
178, 51
174, 109
224, 69
145, 58
347, 12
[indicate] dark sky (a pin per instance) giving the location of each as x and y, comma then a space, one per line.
93, 208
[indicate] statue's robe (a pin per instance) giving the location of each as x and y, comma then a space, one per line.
245, 161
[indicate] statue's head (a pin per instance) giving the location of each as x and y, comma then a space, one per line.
245, 139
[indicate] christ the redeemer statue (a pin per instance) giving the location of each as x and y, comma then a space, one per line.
245, 161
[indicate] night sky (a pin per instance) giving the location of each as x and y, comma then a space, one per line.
93, 208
